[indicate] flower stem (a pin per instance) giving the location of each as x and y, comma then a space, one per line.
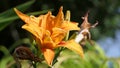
57, 54
34, 64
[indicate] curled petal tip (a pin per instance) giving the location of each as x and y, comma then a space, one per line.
15, 9
21, 15
49, 13
94, 25
61, 7
86, 16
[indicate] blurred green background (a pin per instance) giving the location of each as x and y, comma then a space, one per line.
106, 12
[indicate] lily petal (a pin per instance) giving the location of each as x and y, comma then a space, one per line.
58, 35
85, 24
72, 45
59, 18
47, 41
21, 15
49, 55
36, 31
50, 21
66, 25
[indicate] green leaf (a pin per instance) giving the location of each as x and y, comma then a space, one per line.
4, 50
25, 40
10, 12
5, 62
8, 16
2, 21
100, 50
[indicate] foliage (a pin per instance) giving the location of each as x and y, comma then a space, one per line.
94, 57
106, 12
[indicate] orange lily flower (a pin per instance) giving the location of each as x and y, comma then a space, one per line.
49, 32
